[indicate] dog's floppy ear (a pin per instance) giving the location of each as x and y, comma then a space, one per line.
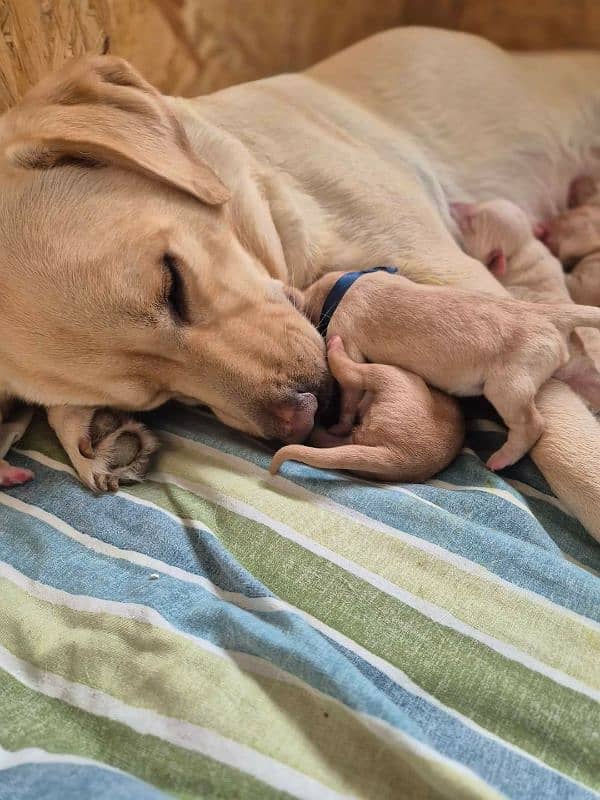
98, 109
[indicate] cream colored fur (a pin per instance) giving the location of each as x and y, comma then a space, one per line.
574, 236
462, 342
352, 163
405, 430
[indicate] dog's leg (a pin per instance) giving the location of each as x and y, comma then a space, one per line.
106, 447
568, 452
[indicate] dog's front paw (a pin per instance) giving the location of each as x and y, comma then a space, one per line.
107, 448
116, 449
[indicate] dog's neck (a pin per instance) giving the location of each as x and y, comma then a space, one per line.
282, 226
323, 218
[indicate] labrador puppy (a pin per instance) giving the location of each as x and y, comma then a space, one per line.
498, 233
574, 237
405, 430
461, 342
145, 241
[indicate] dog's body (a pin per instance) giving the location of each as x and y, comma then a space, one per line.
349, 164
462, 342
405, 430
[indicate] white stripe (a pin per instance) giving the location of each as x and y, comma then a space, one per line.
138, 612
433, 612
182, 734
293, 490
273, 604
244, 661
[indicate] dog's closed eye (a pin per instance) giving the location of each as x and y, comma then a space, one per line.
174, 289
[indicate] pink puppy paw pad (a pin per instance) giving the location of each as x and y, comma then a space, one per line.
13, 476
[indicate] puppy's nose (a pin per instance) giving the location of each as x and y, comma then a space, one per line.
295, 417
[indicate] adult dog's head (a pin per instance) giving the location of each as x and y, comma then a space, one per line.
125, 279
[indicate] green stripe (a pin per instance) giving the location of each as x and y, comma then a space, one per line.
148, 667
506, 614
551, 722
30, 719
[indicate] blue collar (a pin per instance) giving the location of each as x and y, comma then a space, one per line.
339, 289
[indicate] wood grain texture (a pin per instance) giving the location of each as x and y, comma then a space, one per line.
195, 46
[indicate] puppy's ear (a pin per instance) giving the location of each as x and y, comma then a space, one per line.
496, 262
99, 110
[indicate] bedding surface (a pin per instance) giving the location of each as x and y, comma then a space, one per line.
218, 633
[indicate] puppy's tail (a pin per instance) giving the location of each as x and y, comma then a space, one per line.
355, 457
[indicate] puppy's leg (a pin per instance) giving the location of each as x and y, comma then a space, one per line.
347, 374
106, 447
512, 388
514, 400
13, 476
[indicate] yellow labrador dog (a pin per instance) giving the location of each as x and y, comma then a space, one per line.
146, 241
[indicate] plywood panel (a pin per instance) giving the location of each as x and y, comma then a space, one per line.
195, 46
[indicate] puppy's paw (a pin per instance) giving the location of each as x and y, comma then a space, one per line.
497, 462
114, 450
13, 476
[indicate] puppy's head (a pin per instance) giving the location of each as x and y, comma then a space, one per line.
575, 233
493, 232
126, 276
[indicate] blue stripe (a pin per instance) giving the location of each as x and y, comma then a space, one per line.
72, 782
283, 638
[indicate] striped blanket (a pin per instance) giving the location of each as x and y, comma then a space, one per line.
217, 633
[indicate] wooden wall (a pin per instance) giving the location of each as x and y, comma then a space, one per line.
195, 46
